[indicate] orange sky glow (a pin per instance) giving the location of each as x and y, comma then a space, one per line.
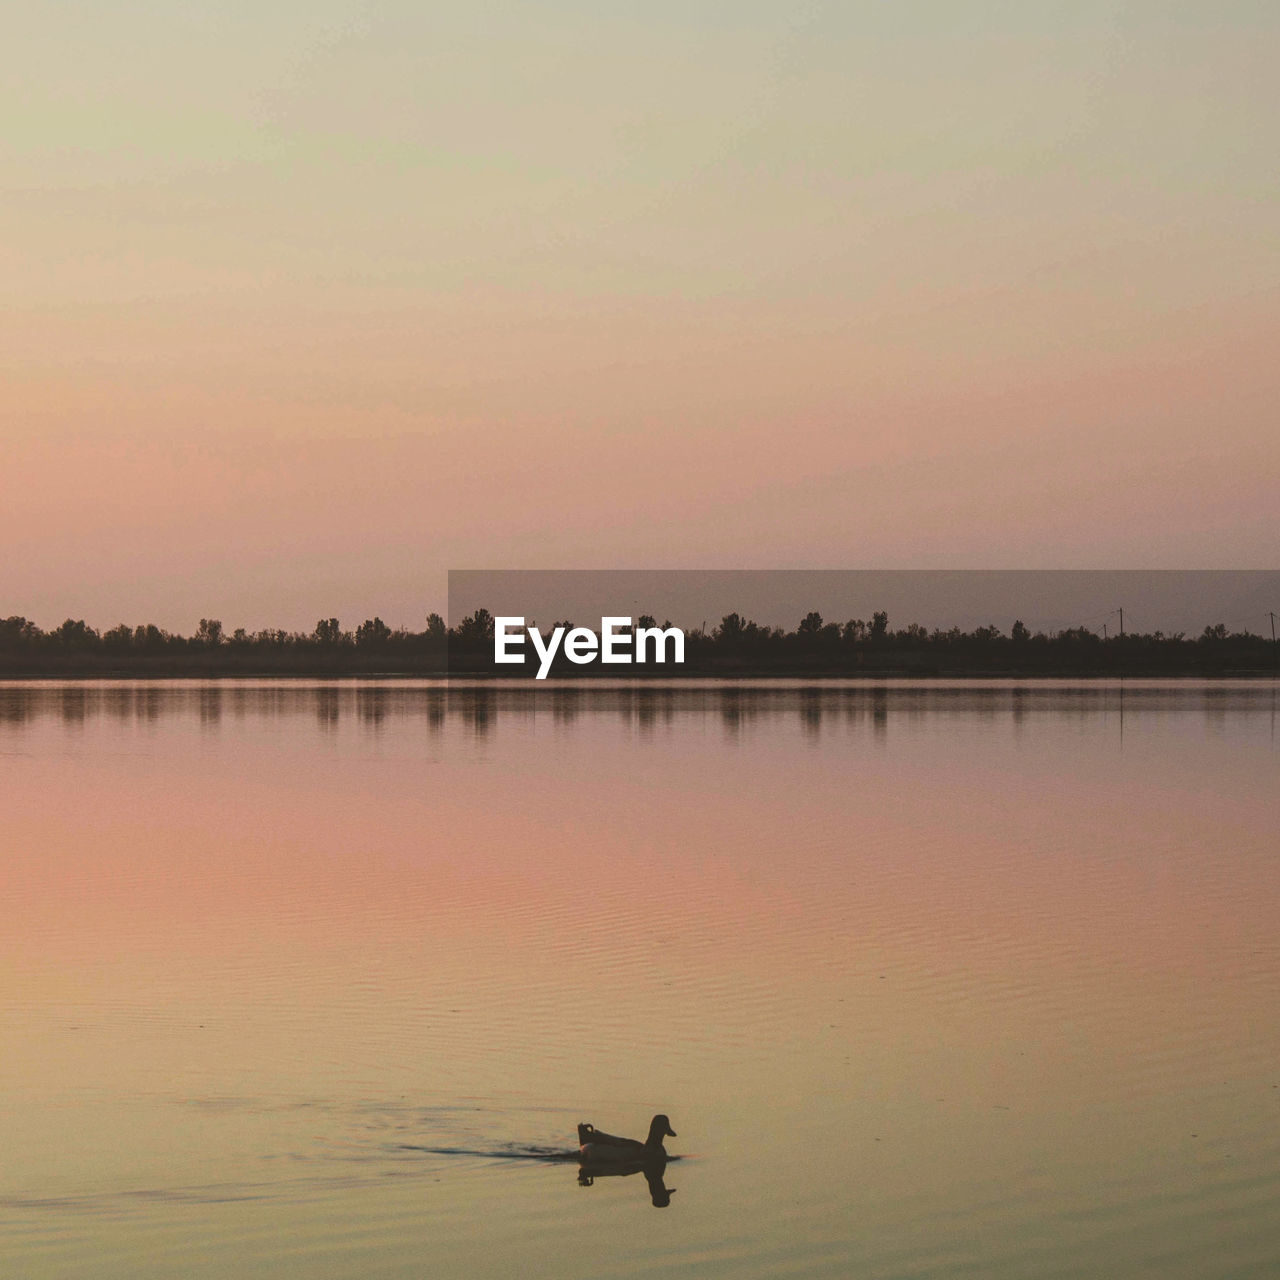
303, 309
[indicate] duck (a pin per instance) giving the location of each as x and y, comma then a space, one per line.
603, 1148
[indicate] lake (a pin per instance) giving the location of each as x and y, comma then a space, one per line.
932, 980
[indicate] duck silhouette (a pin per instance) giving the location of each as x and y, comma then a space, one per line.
597, 1147
604, 1156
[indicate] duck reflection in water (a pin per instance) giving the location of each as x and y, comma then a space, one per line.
602, 1155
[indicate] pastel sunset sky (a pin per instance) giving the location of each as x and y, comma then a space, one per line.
305, 304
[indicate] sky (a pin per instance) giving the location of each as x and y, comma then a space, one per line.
305, 305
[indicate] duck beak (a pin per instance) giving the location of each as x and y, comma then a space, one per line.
671, 1133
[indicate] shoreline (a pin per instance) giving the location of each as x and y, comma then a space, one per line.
611, 680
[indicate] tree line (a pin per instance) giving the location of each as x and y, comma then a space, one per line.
736, 645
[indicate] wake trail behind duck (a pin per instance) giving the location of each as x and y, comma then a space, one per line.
551, 1155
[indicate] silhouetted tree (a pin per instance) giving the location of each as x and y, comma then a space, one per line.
879, 625
372, 633
327, 631
730, 628
1020, 633
75, 634
19, 630
209, 632
478, 626
149, 636
810, 624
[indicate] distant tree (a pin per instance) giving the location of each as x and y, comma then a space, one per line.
647, 620
18, 630
75, 634
988, 633
478, 626
854, 630
209, 632
327, 631
1216, 632
879, 625
1020, 633
810, 624
149, 636
435, 627
372, 633
730, 628
239, 636
118, 637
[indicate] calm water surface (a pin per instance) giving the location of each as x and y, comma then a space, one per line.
303, 981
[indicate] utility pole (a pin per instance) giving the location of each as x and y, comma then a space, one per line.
1271, 613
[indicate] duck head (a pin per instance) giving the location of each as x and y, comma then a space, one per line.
659, 1128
